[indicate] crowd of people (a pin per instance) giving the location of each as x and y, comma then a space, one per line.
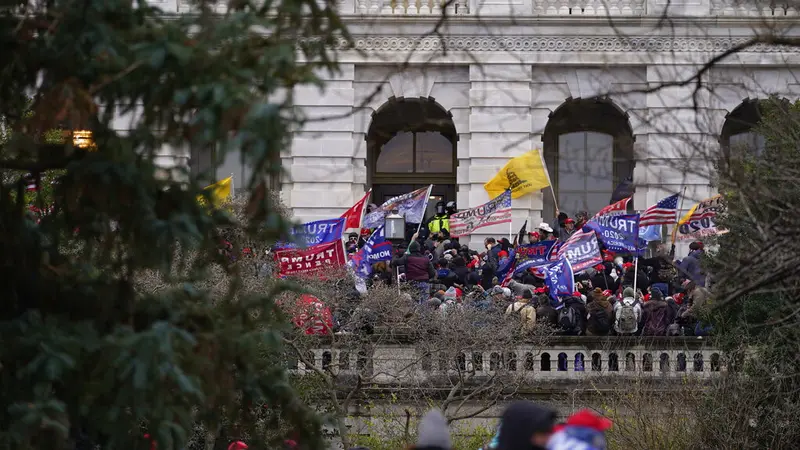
656, 297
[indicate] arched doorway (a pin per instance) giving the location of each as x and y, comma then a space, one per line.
411, 143
588, 149
738, 134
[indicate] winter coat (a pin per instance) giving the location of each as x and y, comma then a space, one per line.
690, 268
519, 288
642, 282
580, 310
525, 310
547, 314
592, 309
418, 266
604, 280
656, 317
637, 311
657, 263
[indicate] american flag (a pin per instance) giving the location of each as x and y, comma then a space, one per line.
493, 212
615, 208
661, 213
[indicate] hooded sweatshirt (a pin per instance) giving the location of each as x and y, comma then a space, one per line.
637, 310
520, 421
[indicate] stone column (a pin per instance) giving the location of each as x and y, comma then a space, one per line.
500, 128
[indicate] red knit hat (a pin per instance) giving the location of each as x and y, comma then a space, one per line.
237, 445
502, 254
587, 418
627, 266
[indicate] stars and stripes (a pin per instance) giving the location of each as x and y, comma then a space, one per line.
619, 207
662, 213
493, 212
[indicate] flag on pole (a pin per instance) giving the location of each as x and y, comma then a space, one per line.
493, 212
31, 182
662, 213
619, 207
411, 206
522, 175
218, 192
376, 249
354, 215
706, 209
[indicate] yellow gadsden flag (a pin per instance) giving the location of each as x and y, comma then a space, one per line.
218, 192
524, 174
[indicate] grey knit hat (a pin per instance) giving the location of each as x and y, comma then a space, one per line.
433, 431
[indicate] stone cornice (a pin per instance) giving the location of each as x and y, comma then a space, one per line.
559, 44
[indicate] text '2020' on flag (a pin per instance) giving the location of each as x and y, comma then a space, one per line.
411, 206
522, 175
699, 222
355, 213
493, 212
619, 233
560, 279
315, 233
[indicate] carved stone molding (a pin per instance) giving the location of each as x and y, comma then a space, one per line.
600, 44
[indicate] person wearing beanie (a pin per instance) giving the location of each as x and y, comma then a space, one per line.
433, 432
627, 314
657, 315
691, 266
525, 310
584, 430
525, 426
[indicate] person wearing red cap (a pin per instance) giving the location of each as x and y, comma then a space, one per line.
584, 430
237, 445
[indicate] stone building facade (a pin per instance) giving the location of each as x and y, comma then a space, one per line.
607, 88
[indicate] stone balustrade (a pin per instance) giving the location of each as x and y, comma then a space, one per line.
533, 8
562, 358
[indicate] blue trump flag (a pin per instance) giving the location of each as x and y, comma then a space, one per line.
559, 278
620, 233
376, 249
315, 233
532, 255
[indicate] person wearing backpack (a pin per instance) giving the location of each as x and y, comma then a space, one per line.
525, 309
627, 314
598, 314
657, 315
572, 316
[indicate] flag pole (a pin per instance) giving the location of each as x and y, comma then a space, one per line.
425, 208
635, 274
233, 191
549, 181
675, 228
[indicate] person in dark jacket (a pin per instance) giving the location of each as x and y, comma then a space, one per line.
459, 268
690, 267
656, 315
642, 281
525, 426
580, 309
545, 312
603, 279
599, 314
663, 272
418, 266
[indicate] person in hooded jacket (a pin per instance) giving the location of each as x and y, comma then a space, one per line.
620, 308
576, 303
433, 432
599, 314
642, 281
525, 426
657, 315
690, 266
545, 313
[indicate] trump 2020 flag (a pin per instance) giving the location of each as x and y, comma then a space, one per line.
558, 276
522, 175
376, 249
411, 206
315, 233
620, 234
581, 250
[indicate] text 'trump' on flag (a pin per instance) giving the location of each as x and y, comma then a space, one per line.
522, 175
493, 212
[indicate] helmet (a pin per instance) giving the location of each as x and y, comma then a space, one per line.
451, 207
440, 208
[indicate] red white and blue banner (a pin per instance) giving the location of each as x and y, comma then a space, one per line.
376, 249
315, 233
581, 250
532, 255
411, 206
308, 261
619, 233
493, 212
560, 279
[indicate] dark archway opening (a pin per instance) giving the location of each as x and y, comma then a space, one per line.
411, 143
739, 135
588, 148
